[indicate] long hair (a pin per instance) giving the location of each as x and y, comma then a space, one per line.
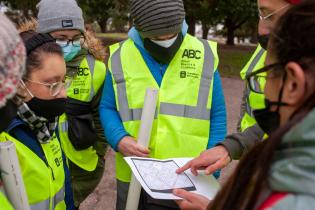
293, 40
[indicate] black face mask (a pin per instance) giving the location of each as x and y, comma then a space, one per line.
162, 54
7, 114
49, 109
268, 120
263, 41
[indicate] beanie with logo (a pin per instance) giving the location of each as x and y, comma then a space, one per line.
55, 15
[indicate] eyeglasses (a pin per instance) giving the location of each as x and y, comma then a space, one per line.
271, 14
55, 88
257, 80
77, 41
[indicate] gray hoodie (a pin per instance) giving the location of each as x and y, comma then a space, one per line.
293, 169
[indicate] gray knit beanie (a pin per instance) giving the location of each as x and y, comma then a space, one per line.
12, 59
154, 18
54, 15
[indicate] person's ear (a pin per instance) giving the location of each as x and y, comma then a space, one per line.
294, 88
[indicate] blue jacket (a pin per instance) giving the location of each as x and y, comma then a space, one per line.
112, 124
20, 131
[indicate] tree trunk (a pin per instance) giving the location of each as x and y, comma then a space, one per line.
230, 36
205, 30
230, 31
191, 25
103, 24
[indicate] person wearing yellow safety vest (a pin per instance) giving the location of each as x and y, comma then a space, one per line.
41, 99
82, 137
12, 63
278, 173
191, 114
235, 145
250, 132
251, 100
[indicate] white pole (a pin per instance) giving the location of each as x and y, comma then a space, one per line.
11, 176
144, 135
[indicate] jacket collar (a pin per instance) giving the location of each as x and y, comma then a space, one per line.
293, 169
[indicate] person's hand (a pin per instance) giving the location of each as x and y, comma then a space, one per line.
209, 160
191, 201
129, 147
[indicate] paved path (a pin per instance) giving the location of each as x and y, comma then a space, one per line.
104, 198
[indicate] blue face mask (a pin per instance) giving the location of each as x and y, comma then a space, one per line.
70, 51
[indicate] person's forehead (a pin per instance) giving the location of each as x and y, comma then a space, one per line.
52, 67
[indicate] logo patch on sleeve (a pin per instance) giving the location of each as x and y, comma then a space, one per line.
67, 23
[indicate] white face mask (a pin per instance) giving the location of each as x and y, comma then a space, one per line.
165, 43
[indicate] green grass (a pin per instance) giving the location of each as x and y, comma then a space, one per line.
111, 38
112, 35
233, 59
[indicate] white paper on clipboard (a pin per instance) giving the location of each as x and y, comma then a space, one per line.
158, 178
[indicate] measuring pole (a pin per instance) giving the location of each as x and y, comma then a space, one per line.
12, 177
147, 118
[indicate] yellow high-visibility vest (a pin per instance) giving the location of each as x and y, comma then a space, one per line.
86, 159
88, 81
4, 203
253, 100
44, 180
181, 126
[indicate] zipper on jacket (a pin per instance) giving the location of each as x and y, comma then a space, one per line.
52, 172
47, 164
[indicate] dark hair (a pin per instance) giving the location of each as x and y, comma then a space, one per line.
293, 40
35, 58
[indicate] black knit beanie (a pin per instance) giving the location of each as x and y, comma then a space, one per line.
153, 18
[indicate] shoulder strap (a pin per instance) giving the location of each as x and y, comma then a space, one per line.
29, 140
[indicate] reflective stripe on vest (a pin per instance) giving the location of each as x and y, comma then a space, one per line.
250, 69
46, 203
195, 112
126, 114
58, 197
41, 205
252, 100
255, 61
91, 63
86, 159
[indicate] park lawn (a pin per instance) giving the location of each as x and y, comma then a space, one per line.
232, 58
120, 36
